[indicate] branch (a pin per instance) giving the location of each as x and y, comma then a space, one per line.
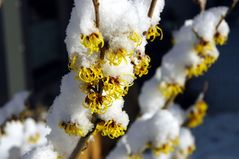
81, 145
234, 3
82, 142
1, 2
152, 7
97, 15
202, 4
196, 34
205, 87
169, 102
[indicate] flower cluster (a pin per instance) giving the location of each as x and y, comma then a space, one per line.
197, 114
106, 52
19, 137
164, 134
159, 134
194, 50
162, 128
19, 133
14, 107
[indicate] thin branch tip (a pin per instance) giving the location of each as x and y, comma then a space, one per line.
152, 8
202, 4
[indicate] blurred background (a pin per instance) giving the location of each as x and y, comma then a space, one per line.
33, 57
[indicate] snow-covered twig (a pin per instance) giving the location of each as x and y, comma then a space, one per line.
192, 55
234, 3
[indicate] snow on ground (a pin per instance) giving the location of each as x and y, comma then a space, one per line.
218, 137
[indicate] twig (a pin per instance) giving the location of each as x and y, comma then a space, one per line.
82, 142
97, 14
234, 3
1, 2
205, 87
197, 35
81, 145
169, 102
151, 9
202, 4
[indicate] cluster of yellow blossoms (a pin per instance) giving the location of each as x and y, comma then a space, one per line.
34, 138
135, 156
197, 114
110, 129
202, 48
165, 148
71, 129
170, 89
102, 90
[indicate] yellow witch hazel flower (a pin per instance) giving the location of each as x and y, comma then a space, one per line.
116, 57
170, 89
191, 149
198, 70
209, 60
59, 157
72, 65
97, 103
34, 138
188, 151
93, 41
89, 75
220, 39
135, 156
136, 38
71, 129
110, 129
165, 148
153, 32
202, 47
115, 87
196, 116
142, 67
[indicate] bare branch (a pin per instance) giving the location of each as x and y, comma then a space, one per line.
205, 87
197, 35
234, 3
169, 102
202, 4
152, 7
97, 14
81, 145
1, 2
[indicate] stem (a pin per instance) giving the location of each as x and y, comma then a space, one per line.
152, 7
205, 87
1, 2
202, 4
169, 102
82, 142
234, 3
197, 35
97, 14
